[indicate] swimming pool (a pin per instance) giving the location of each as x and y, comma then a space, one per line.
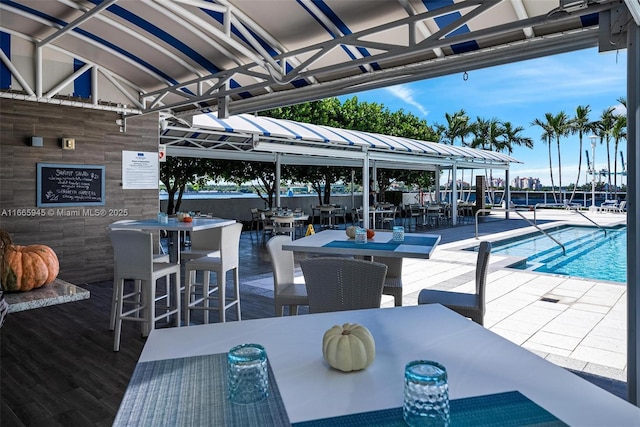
589, 253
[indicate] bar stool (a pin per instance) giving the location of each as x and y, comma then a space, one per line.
133, 260
157, 257
199, 295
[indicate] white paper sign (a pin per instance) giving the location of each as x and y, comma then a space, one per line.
140, 170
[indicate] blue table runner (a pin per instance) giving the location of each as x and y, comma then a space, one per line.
508, 409
383, 246
192, 391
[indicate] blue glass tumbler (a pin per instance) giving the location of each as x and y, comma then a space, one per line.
426, 394
248, 378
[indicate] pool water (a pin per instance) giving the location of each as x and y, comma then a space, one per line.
589, 253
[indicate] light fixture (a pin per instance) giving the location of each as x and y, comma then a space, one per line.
68, 144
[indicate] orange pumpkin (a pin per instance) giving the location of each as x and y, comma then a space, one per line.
28, 267
370, 233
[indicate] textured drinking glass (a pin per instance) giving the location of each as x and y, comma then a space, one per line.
361, 235
426, 394
248, 377
398, 234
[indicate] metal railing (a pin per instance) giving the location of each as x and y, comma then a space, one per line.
572, 208
564, 251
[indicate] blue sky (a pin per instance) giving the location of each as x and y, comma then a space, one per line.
519, 93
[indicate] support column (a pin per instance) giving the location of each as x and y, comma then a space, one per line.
507, 193
454, 195
633, 195
365, 191
277, 183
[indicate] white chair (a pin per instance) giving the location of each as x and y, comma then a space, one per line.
623, 207
357, 217
284, 225
198, 296
157, 257
285, 289
337, 284
468, 305
255, 221
133, 257
393, 279
267, 226
203, 243
389, 217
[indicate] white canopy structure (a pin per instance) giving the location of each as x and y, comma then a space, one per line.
259, 138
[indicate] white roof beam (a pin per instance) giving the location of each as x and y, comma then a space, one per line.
521, 13
76, 22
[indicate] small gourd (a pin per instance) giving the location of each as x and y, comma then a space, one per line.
349, 347
351, 231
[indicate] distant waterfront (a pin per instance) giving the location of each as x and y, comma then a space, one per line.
529, 198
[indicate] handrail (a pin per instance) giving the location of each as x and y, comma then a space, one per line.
573, 208
564, 251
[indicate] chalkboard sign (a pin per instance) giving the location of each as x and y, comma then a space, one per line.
70, 185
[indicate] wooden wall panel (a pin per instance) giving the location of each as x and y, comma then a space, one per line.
79, 240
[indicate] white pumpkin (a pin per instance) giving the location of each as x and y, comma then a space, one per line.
349, 347
351, 231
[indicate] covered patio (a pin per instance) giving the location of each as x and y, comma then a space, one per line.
133, 64
284, 142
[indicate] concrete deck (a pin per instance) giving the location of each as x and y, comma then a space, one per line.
584, 331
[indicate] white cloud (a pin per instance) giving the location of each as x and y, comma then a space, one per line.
406, 94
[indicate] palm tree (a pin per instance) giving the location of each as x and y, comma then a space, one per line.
560, 126
618, 133
603, 129
457, 127
511, 137
580, 124
547, 136
487, 133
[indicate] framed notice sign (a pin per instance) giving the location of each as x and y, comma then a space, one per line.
69, 185
140, 170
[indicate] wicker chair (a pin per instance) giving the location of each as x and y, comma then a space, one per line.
285, 290
337, 284
468, 305
393, 280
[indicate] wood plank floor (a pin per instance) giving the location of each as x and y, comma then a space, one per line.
57, 367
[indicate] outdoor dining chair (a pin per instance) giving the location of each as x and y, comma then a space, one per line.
203, 243
286, 291
337, 284
160, 256
147, 303
468, 305
393, 279
199, 296
284, 225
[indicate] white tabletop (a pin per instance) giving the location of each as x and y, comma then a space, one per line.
422, 247
174, 225
478, 362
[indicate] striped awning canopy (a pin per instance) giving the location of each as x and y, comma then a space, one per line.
249, 137
183, 57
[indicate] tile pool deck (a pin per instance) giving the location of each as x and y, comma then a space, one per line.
584, 330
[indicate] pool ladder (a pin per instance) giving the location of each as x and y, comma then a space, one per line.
569, 207
564, 251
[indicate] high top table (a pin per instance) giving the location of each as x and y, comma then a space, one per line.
336, 242
175, 228
478, 362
